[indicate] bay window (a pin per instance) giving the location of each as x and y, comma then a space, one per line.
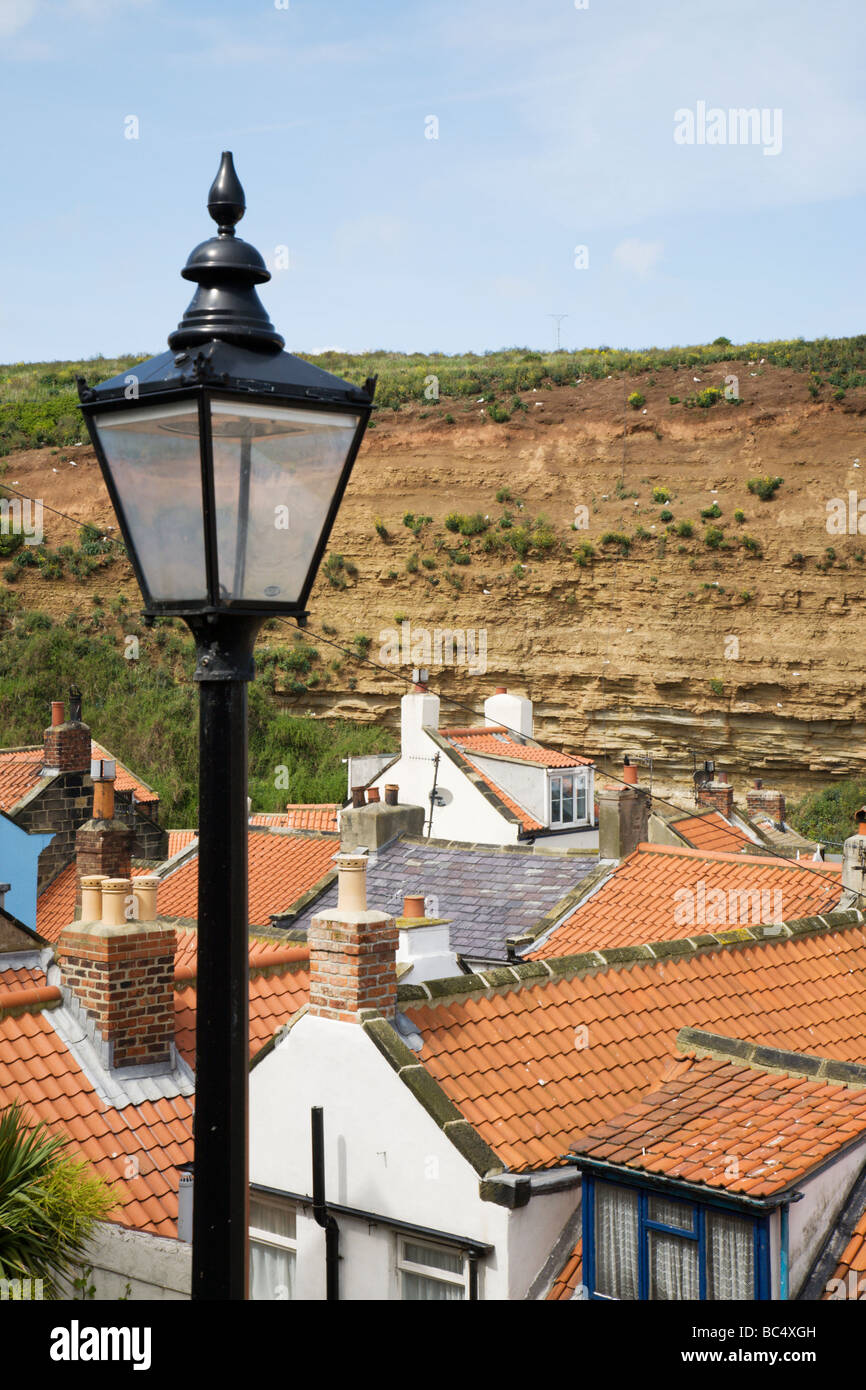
640, 1244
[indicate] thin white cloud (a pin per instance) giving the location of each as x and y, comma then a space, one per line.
640, 257
15, 15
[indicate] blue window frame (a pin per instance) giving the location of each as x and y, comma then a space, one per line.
641, 1243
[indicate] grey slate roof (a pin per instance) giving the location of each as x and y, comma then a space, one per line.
488, 894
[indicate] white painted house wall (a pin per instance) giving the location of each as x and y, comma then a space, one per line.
467, 816
811, 1219
383, 1154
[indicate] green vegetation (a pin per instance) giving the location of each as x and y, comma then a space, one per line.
714, 536
661, 494
710, 513
717, 687
416, 524
146, 710
710, 396
828, 815
636, 400
381, 529
739, 516
504, 495
666, 515
49, 1203
617, 538
473, 525
684, 529
40, 403
765, 487
336, 569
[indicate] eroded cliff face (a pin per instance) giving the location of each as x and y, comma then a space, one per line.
618, 656
753, 658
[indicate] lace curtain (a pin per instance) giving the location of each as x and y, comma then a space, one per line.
616, 1241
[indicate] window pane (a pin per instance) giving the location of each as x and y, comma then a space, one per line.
616, 1241
432, 1255
568, 798
271, 1272
673, 1267
153, 455
275, 471
730, 1256
266, 1216
581, 800
416, 1288
669, 1213
555, 800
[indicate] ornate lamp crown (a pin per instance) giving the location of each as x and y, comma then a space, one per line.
226, 270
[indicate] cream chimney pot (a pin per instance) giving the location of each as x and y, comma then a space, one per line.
91, 897
351, 882
115, 892
145, 889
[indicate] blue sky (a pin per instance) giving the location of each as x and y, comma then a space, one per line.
555, 130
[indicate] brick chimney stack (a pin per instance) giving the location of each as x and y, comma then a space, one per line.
102, 845
66, 743
353, 951
718, 793
764, 801
118, 975
623, 820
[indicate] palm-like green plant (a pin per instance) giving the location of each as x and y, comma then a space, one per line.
49, 1202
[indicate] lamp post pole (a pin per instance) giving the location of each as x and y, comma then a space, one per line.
220, 1266
225, 459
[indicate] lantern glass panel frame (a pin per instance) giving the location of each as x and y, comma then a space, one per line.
234, 510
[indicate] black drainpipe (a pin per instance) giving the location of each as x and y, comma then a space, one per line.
320, 1210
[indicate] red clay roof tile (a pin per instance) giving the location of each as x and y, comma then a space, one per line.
662, 893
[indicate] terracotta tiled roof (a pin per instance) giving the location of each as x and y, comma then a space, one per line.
281, 868
853, 1258
37, 1068
56, 904
738, 1129
303, 816
179, 839
496, 739
662, 893
530, 1066
20, 978
571, 1274
712, 832
20, 769
136, 1149
275, 994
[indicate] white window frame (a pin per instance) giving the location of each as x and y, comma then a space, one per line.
581, 779
431, 1272
259, 1235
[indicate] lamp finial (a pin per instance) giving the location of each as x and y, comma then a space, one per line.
225, 201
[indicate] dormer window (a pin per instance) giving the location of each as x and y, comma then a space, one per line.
567, 798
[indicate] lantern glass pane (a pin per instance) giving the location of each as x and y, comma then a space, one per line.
275, 472
153, 456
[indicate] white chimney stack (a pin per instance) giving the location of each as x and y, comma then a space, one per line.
418, 709
514, 711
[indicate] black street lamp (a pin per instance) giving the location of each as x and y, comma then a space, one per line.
226, 459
